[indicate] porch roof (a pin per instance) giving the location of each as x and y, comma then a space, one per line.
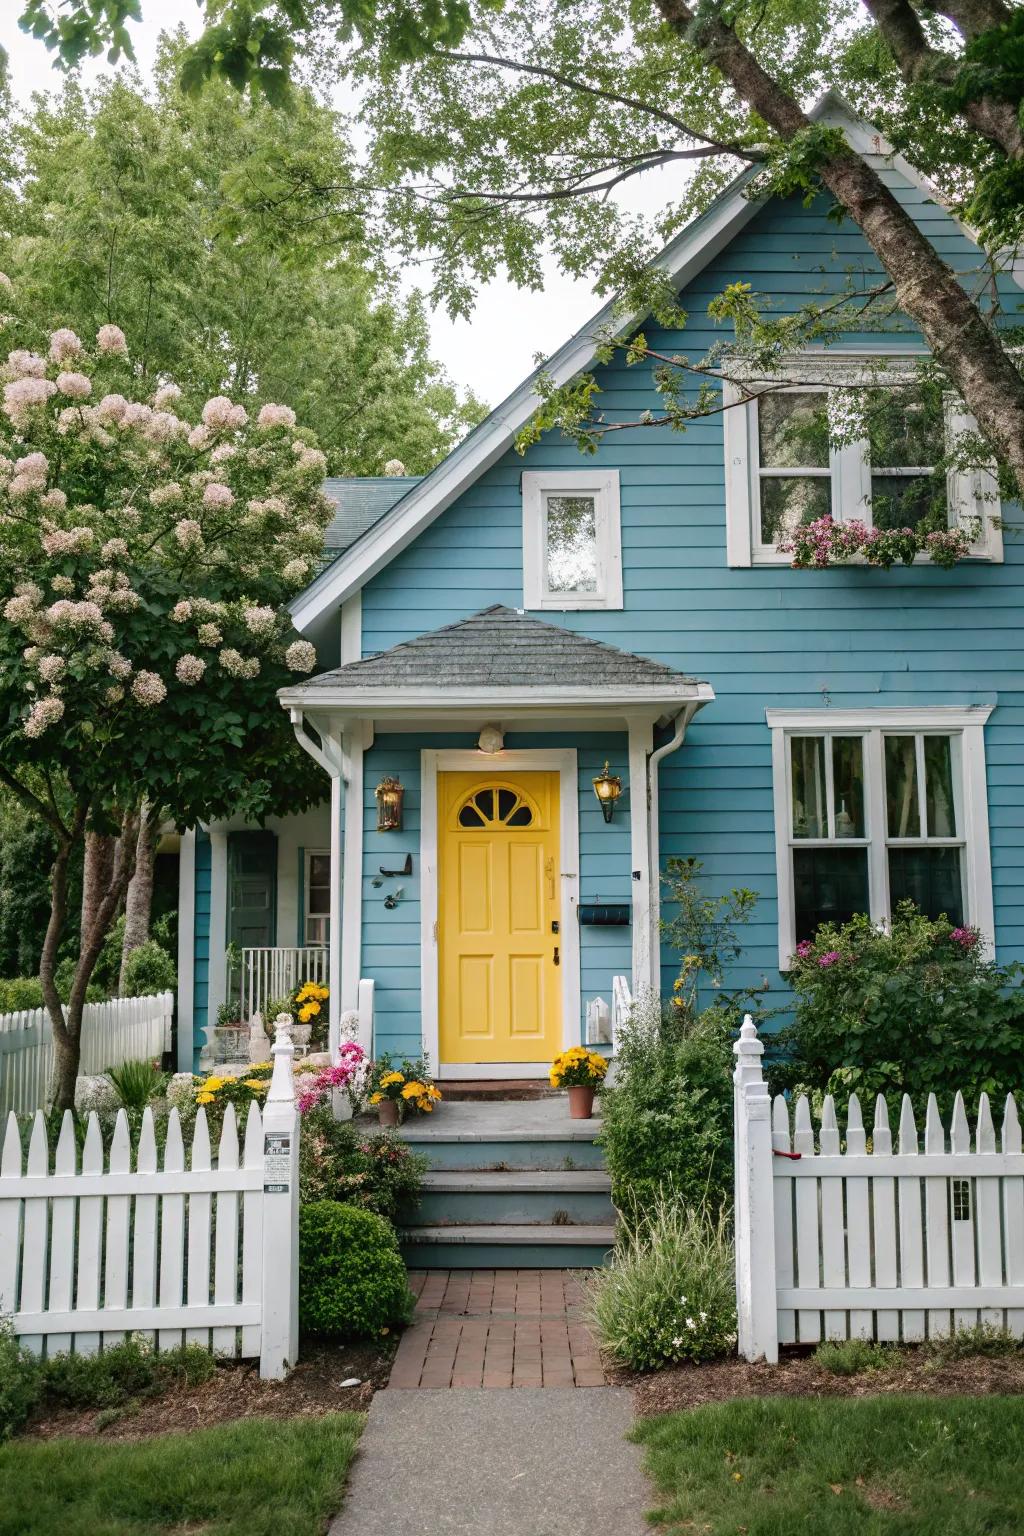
501, 658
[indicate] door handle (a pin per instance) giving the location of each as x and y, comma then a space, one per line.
557, 960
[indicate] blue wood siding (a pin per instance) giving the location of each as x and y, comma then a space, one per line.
201, 944
762, 637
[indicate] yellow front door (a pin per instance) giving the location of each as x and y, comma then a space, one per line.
499, 905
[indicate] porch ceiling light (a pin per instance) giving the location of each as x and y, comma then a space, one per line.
390, 794
607, 788
491, 740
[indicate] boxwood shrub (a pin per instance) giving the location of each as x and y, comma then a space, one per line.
352, 1282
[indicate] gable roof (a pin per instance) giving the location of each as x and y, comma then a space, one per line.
499, 648
360, 501
682, 258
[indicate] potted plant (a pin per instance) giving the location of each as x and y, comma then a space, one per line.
581, 1072
402, 1090
308, 1005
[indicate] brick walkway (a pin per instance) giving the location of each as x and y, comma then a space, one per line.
497, 1328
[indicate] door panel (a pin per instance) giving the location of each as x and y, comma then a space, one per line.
252, 889
498, 899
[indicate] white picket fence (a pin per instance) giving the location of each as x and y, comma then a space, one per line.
834, 1241
204, 1252
122, 1029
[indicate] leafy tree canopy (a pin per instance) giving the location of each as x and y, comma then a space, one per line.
166, 215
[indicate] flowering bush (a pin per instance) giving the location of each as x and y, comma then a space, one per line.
214, 1092
917, 1009
578, 1068
308, 1005
824, 542
347, 1072
669, 1293
337, 1161
145, 562
408, 1085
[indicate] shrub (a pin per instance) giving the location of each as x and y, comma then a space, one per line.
916, 1010
19, 1382
669, 1293
966, 1343
849, 1357
124, 1371
336, 1162
20, 992
137, 1083
667, 1118
352, 1282
149, 969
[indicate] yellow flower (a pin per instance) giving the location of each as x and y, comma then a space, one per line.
392, 1077
413, 1090
212, 1084
375, 1098
308, 1012
425, 1106
435, 1093
256, 1084
204, 1098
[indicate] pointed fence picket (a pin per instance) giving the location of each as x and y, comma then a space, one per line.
121, 1029
90, 1253
866, 1242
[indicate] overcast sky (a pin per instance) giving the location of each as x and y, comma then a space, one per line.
492, 352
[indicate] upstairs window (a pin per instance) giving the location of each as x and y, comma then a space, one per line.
316, 918
877, 807
572, 556
796, 454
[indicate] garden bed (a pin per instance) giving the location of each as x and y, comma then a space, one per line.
799, 1374
234, 1392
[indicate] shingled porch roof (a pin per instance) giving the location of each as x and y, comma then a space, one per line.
500, 657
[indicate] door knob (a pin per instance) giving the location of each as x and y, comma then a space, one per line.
557, 960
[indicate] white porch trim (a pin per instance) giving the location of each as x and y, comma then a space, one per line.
641, 743
186, 947
358, 737
433, 762
217, 989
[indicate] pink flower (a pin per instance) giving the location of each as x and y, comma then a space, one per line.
64, 344
166, 395
148, 689
189, 669
217, 495
111, 339
75, 385
275, 416
219, 413
804, 948
188, 534
22, 395
830, 957
43, 714
967, 938
22, 364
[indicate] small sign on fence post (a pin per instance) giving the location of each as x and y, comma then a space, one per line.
756, 1303
280, 1323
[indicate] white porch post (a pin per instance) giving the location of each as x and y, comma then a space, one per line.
335, 918
217, 990
186, 942
357, 738
641, 741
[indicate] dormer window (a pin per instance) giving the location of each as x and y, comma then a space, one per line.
572, 555
791, 459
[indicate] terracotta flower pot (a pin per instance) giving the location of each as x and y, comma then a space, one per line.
387, 1112
581, 1102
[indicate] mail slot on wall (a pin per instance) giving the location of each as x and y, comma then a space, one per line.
604, 914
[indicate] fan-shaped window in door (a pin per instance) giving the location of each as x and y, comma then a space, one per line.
495, 806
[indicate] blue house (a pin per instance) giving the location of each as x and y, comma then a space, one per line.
495, 633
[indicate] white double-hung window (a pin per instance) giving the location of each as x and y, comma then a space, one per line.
572, 550
878, 806
853, 437
316, 916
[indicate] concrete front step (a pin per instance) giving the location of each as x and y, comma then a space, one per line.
506, 1246
532, 1197
496, 1090
516, 1135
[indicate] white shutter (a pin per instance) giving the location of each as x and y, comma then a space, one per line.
973, 493
739, 467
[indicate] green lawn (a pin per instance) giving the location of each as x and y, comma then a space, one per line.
916, 1466
257, 1477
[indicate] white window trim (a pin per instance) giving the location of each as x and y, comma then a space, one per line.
971, 494
966, 723
603, 485
308, 855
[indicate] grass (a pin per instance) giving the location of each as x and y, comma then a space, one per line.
257, 1477
870, 1467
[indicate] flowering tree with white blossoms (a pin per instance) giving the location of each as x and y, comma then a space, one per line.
145, 561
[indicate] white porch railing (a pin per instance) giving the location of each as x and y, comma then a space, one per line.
622, 1002
121, 1029
272, 973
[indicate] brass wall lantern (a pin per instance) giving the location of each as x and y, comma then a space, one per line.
607, 788
390, 794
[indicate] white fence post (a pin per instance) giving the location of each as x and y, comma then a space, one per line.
279, 1345
756, 1303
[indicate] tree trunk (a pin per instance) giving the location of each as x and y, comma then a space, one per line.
927, 289
139, 900
109, 866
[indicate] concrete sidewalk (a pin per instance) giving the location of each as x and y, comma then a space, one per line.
543, 1461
